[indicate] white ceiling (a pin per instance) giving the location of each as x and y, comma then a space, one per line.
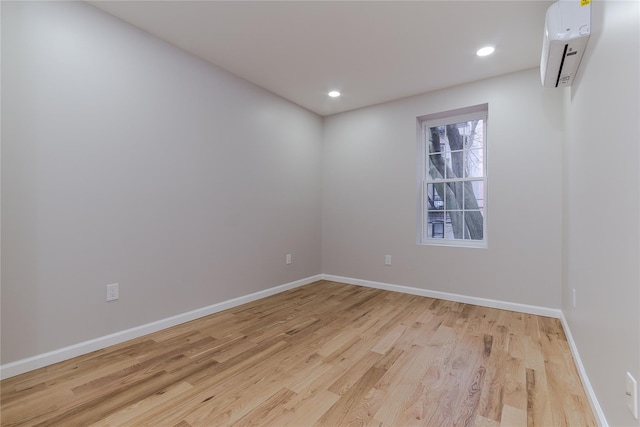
372, 51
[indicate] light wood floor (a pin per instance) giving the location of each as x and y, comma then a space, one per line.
326, 354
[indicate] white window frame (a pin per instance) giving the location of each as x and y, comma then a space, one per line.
424, 123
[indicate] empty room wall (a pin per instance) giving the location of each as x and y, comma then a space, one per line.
603, 207
126, 160
370, 192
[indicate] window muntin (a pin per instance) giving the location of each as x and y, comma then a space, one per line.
453, 178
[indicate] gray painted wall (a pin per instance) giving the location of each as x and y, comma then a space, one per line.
603, 206
370, 190
126, 160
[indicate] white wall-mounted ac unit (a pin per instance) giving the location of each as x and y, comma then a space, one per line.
566, 32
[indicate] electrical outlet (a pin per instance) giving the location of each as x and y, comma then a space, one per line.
287, 259
387, 260
574, 300
632, 395
112, 292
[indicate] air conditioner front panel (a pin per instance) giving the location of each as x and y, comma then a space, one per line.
566, 32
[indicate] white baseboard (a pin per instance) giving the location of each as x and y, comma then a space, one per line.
591, 394
25, 365
484, 302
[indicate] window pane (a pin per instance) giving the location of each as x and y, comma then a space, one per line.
474, 167
455, 195
455, 164
436, 166
435, 140
453, 226
476, 134
474, 195
478, 192
473, 221
435, 225
433, 200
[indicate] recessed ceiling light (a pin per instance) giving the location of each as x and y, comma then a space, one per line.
334, 94
487, 50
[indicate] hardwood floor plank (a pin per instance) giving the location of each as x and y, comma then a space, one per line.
354, 373
308, 411
315, 370
267, 412
513, 417
481, 421
389, 339
325, 354
468, 403
538, 406
134, 413
91, 411
515, 383
401, 380
340, 411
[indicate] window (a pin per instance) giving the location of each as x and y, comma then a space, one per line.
453, 178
